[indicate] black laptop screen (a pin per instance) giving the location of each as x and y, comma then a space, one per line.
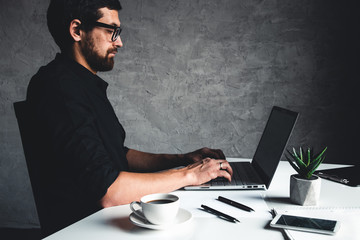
272, 142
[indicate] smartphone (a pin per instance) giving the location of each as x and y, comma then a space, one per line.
317, 225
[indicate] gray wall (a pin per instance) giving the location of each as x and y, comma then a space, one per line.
196, 73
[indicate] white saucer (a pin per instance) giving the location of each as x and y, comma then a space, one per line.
182, 217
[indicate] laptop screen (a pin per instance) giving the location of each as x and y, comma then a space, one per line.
273, 142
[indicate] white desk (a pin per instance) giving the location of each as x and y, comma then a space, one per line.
114, 223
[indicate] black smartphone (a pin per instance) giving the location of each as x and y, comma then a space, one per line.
317, 225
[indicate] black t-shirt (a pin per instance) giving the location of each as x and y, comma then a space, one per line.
81, 139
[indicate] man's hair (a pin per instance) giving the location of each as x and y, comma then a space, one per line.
61, 12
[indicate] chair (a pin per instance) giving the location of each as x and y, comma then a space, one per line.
31, 150
53, 214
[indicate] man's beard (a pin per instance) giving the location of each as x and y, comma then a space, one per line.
95, 61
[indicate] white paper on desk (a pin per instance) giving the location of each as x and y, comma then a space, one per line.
192, 201
349, 219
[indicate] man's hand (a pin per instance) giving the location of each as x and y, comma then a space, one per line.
208, 169
203, 153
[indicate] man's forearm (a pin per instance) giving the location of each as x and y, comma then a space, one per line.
130, 186
149, 162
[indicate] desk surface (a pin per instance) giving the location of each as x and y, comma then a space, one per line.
114, 223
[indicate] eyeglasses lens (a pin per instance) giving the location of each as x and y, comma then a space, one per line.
116, 34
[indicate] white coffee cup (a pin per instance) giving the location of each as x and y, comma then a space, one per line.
158, 208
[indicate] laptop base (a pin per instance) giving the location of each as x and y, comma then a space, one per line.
244, 178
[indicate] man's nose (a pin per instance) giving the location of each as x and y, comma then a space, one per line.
118, 42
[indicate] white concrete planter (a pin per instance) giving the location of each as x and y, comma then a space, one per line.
303, 191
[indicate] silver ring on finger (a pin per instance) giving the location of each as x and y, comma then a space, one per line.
221, 166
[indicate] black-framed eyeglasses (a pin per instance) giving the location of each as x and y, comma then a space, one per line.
116, 33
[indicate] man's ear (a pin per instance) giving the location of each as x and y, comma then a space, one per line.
74, 29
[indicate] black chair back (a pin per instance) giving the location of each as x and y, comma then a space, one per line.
31, 149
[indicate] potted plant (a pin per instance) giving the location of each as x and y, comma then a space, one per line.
304, 186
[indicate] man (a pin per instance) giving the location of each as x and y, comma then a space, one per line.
84, 163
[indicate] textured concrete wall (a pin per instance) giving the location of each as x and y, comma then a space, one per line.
196, 73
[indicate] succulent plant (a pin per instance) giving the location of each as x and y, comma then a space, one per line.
305, 162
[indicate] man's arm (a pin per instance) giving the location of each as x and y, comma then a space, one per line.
148, 162
130, 186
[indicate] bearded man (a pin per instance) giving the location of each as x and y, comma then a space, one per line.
84, 165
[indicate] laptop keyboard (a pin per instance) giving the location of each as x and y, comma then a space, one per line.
243, 174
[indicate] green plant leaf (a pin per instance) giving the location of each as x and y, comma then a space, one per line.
305, 162
320, 154
298, 160
296, 168
314, 163
313, 169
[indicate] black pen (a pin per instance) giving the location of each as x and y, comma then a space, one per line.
235, 204
220, 214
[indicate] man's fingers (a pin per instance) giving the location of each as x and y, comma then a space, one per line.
225, 165
225, 174
223, 169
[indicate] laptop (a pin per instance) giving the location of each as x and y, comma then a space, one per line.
258, 173
345, 175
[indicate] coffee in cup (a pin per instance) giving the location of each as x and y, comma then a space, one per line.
158, 208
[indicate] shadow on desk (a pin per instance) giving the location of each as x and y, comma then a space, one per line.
125, 225
283, 200
122, 223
